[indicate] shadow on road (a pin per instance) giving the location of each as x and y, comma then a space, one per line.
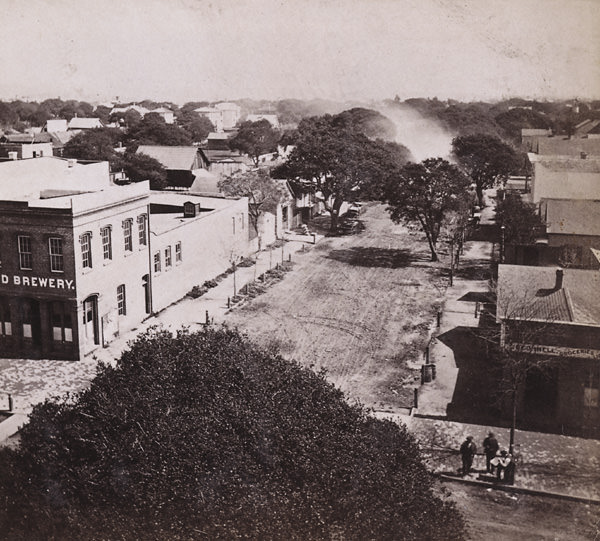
372, 256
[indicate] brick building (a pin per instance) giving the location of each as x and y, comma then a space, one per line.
83, 260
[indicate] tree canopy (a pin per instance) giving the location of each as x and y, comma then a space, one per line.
95, 144
206, 436
343, 163
262, 191
486, 159
255, 139
153, 130
367, 121
139, 167
427, 193
521, 221
196, 125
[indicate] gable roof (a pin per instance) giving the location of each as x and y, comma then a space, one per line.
181, 158
571, 216
529, 293
77, 123
25, 138
562, 146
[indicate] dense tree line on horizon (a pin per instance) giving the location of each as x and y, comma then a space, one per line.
207, 436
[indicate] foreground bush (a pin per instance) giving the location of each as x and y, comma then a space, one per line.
205, 436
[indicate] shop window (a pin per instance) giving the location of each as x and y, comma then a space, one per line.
27, 319
157, 262
55, 249
591, 391
5, 321
62, 327
106, 234
127, 234
168, 261
121, 301
25, 259
178, 256
142, 221
85, 241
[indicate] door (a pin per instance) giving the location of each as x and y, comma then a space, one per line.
90, 320
147, 291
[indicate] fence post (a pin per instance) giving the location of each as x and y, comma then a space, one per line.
207, 318
416, 397
10, 402
439, 318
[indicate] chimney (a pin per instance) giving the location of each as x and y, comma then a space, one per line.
583, 155
559, 279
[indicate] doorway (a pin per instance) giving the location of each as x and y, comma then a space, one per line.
90, 320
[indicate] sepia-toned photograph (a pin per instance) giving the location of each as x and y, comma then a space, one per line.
307, 270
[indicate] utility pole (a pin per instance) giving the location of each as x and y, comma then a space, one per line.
452, 262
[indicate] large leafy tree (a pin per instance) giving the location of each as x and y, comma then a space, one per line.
343, 163
95, 144
205, 436
486, 159
427, 193
139, 167
196, 125
522, 223
263, 192
153, 130
367, 121
255, 139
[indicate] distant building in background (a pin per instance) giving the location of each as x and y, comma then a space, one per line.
213, 114
181, 162
224, 115
78, 123
164, 112
22, 146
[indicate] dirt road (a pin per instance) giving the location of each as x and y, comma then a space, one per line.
359, 307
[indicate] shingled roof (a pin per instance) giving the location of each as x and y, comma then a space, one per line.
538, 294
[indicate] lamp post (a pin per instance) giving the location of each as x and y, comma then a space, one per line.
502, 231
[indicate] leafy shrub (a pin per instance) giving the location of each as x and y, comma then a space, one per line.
206, 436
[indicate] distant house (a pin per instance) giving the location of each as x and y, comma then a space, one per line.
164, 112
181, 162
227, 162
77, 123
218, 140
60, 139
231, 114
214, 115
564, 178
530, 136
573, 223
583, 128
167, 114
555, 314
56, 125
24, 145
574, 147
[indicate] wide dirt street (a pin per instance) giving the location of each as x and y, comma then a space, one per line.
359, 307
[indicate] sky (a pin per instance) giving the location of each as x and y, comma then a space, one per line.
184, 50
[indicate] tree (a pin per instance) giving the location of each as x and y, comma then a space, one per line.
485, 158
206, 436
427, 193
95, 144
367, 121
521, 221
153, 130
514, 120
196, 125
343, 163
263, 192
255, 139
139, 167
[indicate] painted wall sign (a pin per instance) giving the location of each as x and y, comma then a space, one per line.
555, 351
37, 281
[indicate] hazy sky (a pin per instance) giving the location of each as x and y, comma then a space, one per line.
182, 50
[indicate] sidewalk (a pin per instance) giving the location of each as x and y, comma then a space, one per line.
32, 381
545, 462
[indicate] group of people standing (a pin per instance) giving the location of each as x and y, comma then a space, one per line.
500, 463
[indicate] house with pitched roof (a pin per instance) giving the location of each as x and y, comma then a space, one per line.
181, 162
78, 123
554, 314
20, 146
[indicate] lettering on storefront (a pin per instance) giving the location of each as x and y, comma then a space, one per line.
555, 351
37, 281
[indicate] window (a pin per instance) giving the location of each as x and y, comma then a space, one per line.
86, 250
178, 252
142, 229
167, 257
24, 252
591, 391
5, 323
157, 262
128, 239
121, 302
106, 234
55, 249
62, 328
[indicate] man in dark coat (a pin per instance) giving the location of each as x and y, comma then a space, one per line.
490, 448
467, 452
